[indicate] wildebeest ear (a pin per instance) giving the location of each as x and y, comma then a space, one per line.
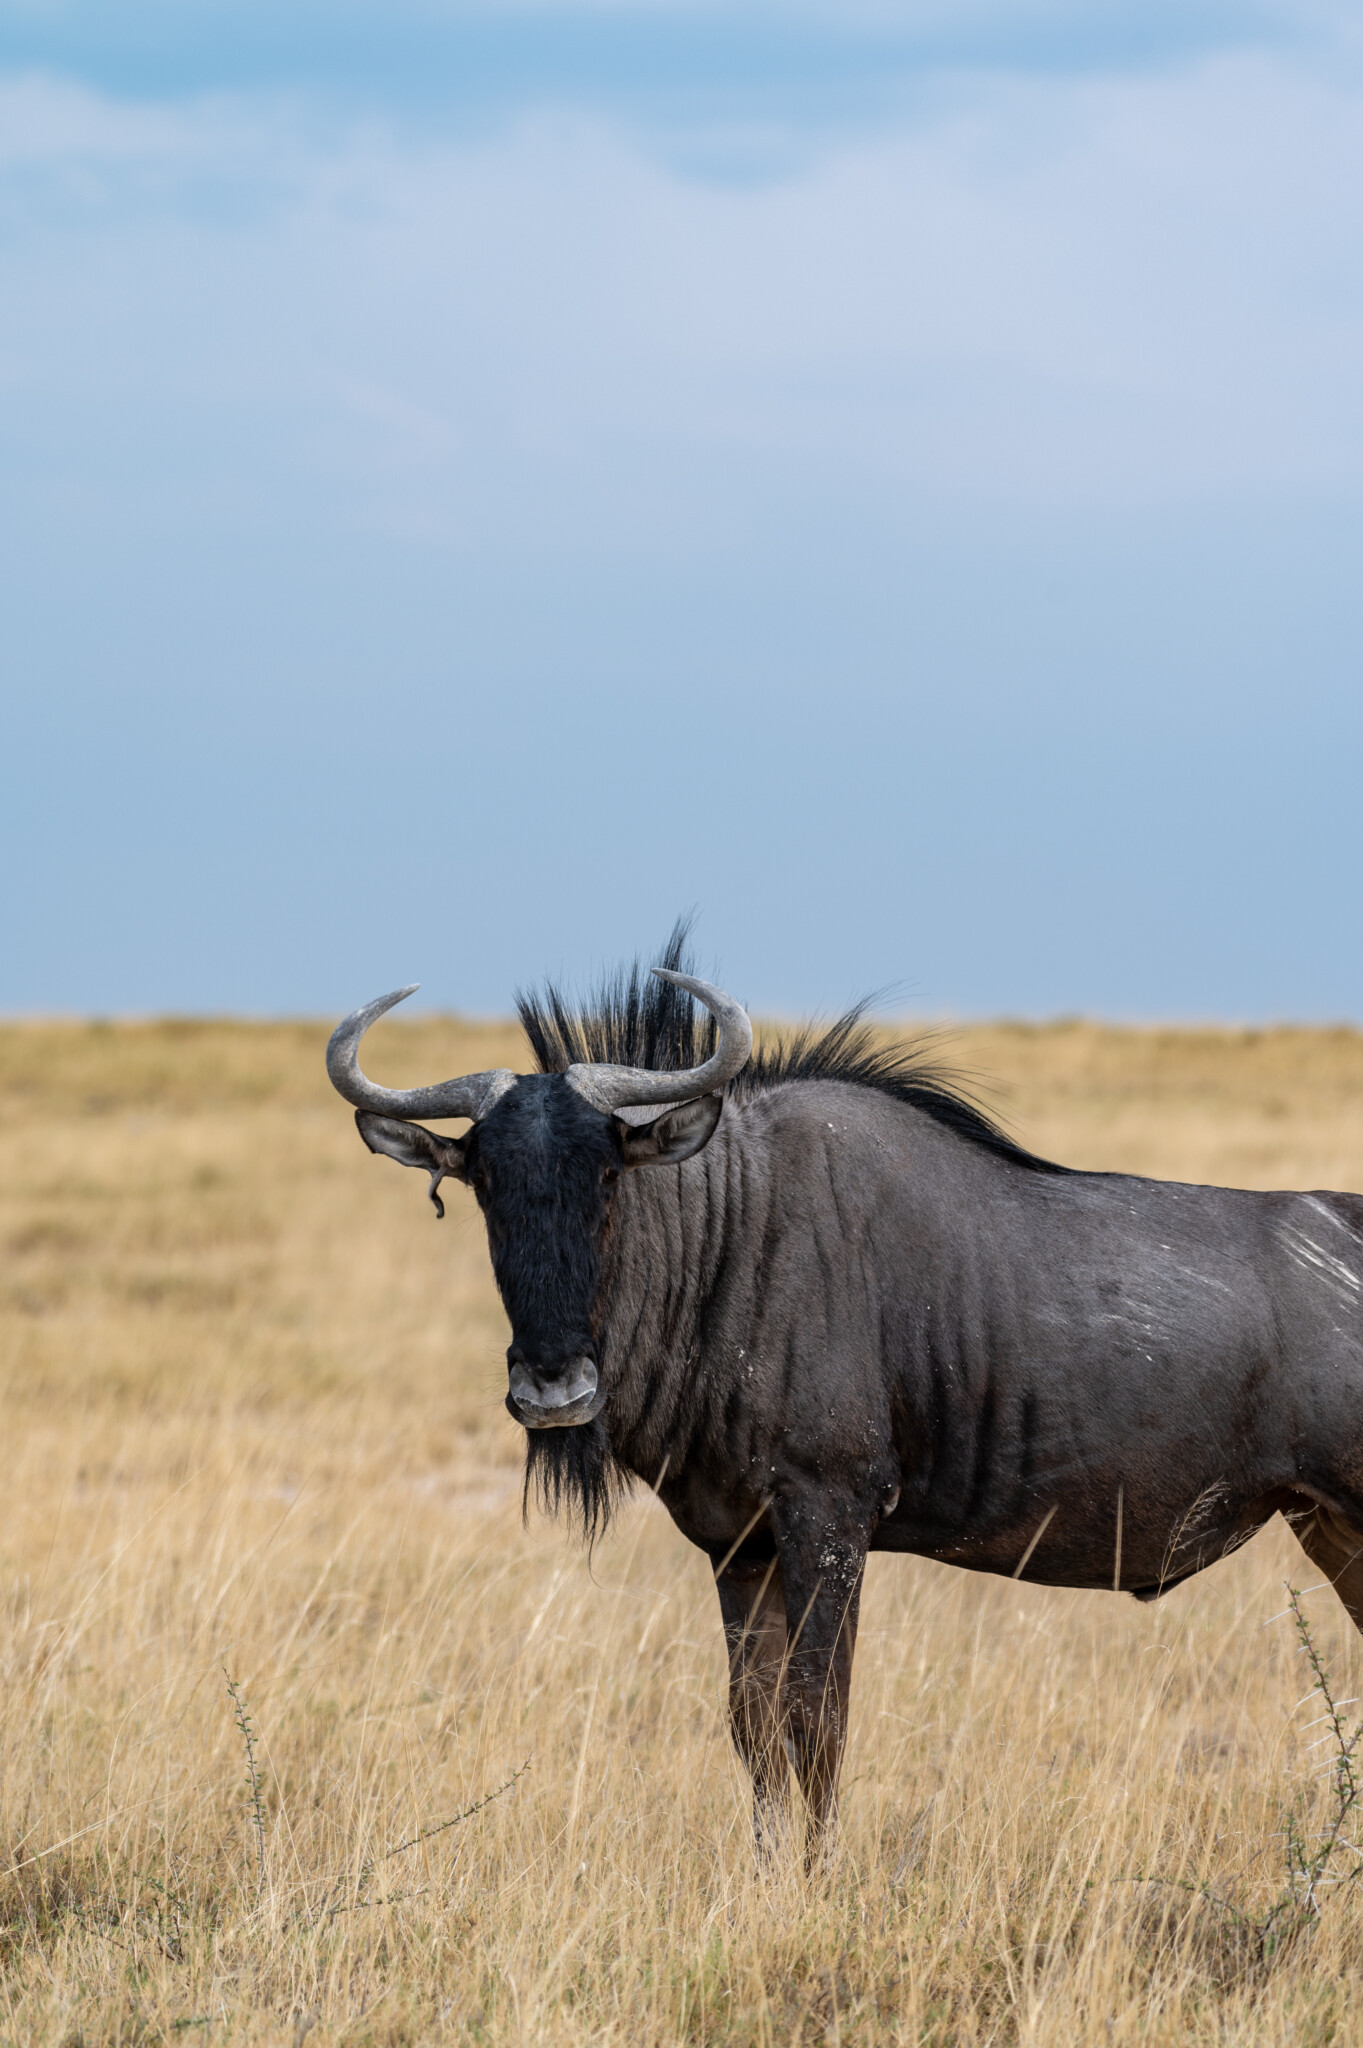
414, 1145
672, 1137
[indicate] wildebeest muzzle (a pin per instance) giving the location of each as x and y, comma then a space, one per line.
557, 1398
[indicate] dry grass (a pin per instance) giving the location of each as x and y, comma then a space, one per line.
253, 1426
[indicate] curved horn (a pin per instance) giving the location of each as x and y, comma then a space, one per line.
607, 1087
468, 1095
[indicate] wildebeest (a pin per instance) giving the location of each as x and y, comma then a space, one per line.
825, 1306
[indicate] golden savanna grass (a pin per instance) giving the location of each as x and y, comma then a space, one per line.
253, 1429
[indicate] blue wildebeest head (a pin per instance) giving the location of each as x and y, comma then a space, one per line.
543, 1156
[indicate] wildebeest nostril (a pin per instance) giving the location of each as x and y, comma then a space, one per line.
554, 1400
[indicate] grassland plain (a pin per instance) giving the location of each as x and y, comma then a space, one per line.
253, 1428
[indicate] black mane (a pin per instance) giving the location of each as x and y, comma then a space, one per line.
634, 1020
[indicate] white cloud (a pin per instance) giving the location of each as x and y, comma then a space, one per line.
1095, 291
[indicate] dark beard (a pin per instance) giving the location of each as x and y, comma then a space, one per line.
572, 1471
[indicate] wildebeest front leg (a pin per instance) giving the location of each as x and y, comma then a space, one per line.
1335, 1547
752, 1604
823, 1560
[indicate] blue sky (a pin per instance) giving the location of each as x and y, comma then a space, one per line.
438, 54
477, 481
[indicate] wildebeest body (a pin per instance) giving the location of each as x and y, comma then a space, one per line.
842, 1283
847, 1314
